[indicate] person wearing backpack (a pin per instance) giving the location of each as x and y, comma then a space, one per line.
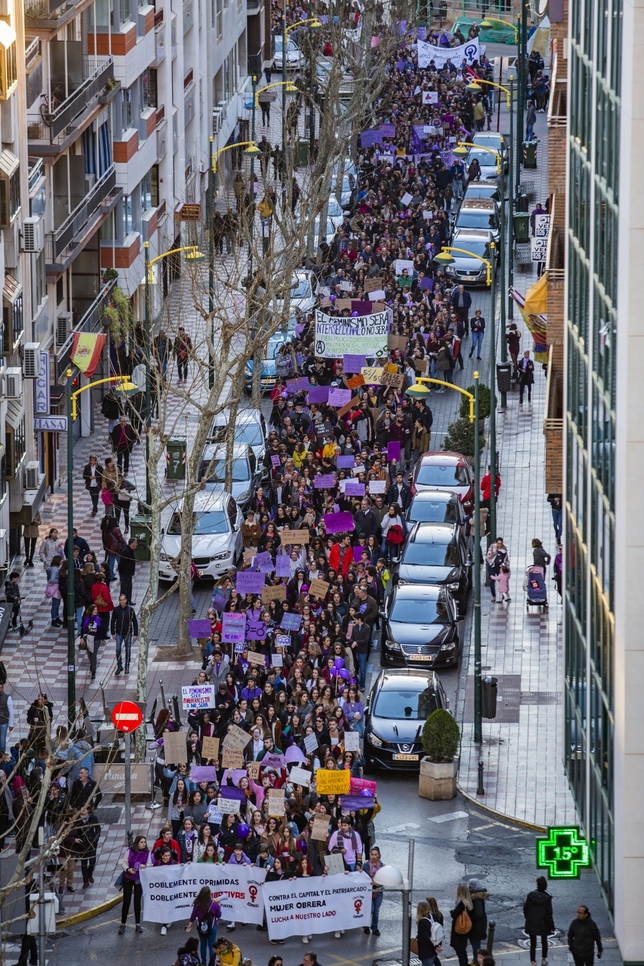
478, 933
539, 920
206, 913
430, 934
461, 923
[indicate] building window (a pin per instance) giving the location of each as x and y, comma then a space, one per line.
127, 214
150, 88
16, 445
8, 62
150, 188
9, 188
12, 314
126, 117
38, 283
220, 20
124, 10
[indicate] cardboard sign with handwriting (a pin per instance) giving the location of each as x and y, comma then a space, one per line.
373, 285
236, 738
276, 802
372, 374
253, 769
397, 342
255, 657
319, 588
392, 379
320, 830
342, 304
210, 747
232, 758
174, 747
331, 781
274, 593
294, 536
355, 381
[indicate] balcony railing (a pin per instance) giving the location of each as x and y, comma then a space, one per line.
61, 118
36, 167
32, 52
90, 322
59, 240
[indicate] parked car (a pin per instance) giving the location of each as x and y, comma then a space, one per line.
445, 470
419, 627
217, 537
467, 269
301, 298
479, 213
494, 141
438, 506
246, 471
398, 705
269, 369
437, 553
483, 189
294, 56
250, 430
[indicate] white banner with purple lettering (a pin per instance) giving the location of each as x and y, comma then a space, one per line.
169, 891
336, 336
440, 55
317, 904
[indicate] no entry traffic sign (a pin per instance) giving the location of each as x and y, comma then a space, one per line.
127, 716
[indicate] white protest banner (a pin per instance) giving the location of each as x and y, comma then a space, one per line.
317, 905
169, 891
228, 806
538, 249
430, 97
197, 696
363, 335
440, 55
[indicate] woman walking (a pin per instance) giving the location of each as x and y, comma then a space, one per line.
92, 635
377, 894
138, 857
427, 949
478, 933
52, 590
539, 920
206, 913
461, 923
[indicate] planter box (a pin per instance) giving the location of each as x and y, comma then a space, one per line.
437, 782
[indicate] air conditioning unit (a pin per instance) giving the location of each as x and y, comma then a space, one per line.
216, 120
13, 382
33, 234
223, 107
32, 475
31, 360
63, 328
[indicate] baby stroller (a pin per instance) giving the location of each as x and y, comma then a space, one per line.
535, 588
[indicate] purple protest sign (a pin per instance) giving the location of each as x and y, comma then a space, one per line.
421, 33
357, 554
282, 566
353, 803
354, 489
339, 397
275, 460
325, 481
426, 283
355, 363
266, 566
393, 450
231, 792
273, 761
369, 138
255, 630
298, 385
361, 307
219, 602
318, 394
346, 462
262, 559
339, 522
388, 130
249, 582
203, 773
200, 628
233, 628
291, 622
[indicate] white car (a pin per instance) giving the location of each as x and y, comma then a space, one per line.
246, 473
250, 430
217, 537
302, 296
294, 56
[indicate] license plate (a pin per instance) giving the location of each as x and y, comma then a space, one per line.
402, 757
202, 573
421, 657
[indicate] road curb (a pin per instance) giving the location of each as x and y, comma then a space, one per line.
88, 913
501, 815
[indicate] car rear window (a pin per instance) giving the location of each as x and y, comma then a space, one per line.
433, 511
405, 704
437, 474
431, 554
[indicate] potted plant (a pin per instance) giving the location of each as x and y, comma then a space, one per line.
441, 735
484, 402
460, 438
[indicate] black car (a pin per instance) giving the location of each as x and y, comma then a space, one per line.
398, 705
438, 506
437, 553
419, 627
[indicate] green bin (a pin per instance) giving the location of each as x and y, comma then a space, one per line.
140, 528
530, 154
175, 453
302, 154
521, 227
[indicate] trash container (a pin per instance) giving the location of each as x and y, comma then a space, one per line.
504, 376
175, 453
488, 697
302, 154
521, 227
530, 154
140, 529
522, 201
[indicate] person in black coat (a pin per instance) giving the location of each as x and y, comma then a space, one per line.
583, 934
526, 375
539, 921
87, 832
400, 493
458, 940
426, 949
478, 915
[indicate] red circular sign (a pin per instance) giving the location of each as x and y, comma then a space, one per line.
127, 716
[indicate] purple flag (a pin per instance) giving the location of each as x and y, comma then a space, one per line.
393, 450
346, 462
291, 622
421, 33
318, 394
339, 522
353, 803
199, 628
354, 489
282, 566
362, 308
355, 363
339, 397
231, 792
357, 554
388, 130
325, 481
249, 582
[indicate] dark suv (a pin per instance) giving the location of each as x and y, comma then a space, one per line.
397, 707
437, 553
419, 627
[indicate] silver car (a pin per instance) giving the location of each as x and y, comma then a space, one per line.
467, 269
216, 539
246, 473
250, 430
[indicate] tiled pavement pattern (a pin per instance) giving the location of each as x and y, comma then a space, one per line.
522, 748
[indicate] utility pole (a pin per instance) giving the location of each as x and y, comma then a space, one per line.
492, 399
478, 724
211, 267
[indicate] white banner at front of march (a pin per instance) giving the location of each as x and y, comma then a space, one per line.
440, 55
169, 891
365, 335
320, 904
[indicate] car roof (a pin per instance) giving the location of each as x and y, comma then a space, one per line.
446, 456
435, 496
417, 591
406, 677
209, 500
488, 136
485, 204
249, 415
476, 234
433, 533
239, 450
483, 184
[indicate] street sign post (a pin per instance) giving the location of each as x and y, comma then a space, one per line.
564, 853
126, 717
50, 424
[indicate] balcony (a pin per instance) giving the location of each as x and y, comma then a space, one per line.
32, 53
52, 131
63, 244
90, 322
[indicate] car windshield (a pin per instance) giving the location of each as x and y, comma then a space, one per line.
401, 705
433, 511
248, 433
437, 474
431, 554
217, 472
421, 611
476, 219
334, 209
467, 244
291, 46
213, 522
484, 158
300, 288
273, 348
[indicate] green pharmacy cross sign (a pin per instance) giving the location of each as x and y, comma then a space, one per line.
563, 853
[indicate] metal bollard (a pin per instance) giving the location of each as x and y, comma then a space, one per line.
163, 700
153, 713
480, 790
490, 935
177, 713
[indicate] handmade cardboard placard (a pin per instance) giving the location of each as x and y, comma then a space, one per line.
232, 758
276, 803
236, 739
334, 863
372, 374
396, 380
320, 830
345, 409
253, 769
342, 304
277, 660
174, 747
378, 307
294, 536
274, 593
373, 284
310, 743
397, 342
319, 588
332, 781
355, 381
228, 806
210, 748
254, 657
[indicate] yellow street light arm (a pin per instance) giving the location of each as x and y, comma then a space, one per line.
300, 23
288, 84
486, 262
173, 251
125, 385
475, 87
229, 147
490, 20
464, 392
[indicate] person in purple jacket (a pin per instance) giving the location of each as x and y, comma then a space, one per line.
138, 857
206, 913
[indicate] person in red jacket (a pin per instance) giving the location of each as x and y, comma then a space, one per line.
486, 488
341, 556
165, 838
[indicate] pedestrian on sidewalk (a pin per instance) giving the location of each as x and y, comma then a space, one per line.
377, 893
123, 501
92, 635
88, 831
526, 376
486, 487
137, 858
426, 949
93, 477
125, 629
477, 325
6, 717
100, 594
513, 339
461, 923
540, 557
583, 935
503, 583
556, 504
127, 568
558, 569
123, 439
478, 933
52, 590
530, 118
31, 532
182, 351
461, 302
496, 556
51, 547
12, 596
539, 920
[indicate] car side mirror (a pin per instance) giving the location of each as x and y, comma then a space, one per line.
162, 530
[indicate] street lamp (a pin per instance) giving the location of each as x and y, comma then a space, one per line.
475, 88
489, 21
125, 387
392, 880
